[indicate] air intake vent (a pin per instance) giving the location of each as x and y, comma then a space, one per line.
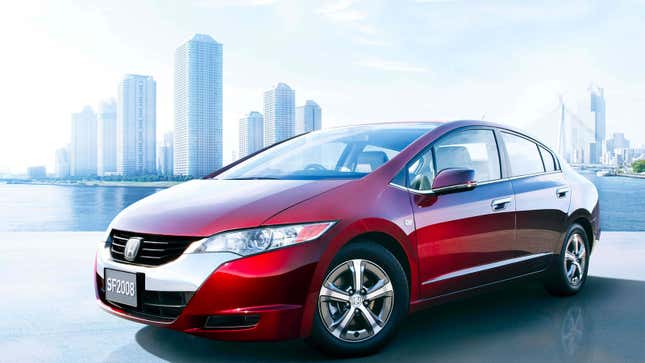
231, 321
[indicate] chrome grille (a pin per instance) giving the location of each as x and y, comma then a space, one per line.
154, 250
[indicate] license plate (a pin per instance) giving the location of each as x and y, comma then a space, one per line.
121, 287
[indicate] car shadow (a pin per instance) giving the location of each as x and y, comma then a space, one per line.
520, 322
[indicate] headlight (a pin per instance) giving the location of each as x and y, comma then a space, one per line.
251, 241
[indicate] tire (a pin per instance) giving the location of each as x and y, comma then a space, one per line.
358, 337
560, 281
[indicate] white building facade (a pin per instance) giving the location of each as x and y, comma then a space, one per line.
165, 155
279, 114
251, 133
308, 117
61, 166
83, 143
106, 138
198, 107
136, 126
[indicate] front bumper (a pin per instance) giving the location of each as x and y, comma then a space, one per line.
271, 286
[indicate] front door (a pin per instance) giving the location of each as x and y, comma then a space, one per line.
462, 236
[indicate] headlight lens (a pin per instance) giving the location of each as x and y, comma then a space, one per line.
251, 241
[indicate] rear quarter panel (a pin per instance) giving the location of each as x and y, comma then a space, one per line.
584, 200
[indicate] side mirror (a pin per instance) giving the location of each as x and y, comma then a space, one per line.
454, 180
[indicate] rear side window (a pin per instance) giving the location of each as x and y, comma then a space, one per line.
549, 160
523, 155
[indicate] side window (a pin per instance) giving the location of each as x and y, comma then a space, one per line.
549, 160
523, 155
421, 172
470, 149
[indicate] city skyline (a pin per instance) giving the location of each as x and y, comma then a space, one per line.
361, 52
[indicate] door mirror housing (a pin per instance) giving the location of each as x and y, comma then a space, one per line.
454, 180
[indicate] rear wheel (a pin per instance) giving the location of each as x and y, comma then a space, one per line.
362, 300
568, 273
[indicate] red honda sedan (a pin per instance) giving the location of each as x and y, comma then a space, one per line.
337, 235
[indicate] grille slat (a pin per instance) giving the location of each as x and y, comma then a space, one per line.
154, 249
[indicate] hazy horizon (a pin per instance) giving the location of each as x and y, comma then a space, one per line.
361, 61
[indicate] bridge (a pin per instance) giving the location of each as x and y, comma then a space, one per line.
572, 133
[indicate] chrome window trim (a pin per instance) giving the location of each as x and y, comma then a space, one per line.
430, 192
488, 266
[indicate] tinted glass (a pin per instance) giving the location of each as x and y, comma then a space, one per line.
421, 172
469, 149
343, 153
547, 157
523, 155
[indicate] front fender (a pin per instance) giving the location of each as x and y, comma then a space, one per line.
346, 234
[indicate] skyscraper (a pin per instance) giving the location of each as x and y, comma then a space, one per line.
165, 155
61, 165
136, 132
598, 108
198, 107
83, 145
106, 138
279, 114
308, 117
251, 133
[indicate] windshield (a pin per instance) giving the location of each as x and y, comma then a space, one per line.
342, 153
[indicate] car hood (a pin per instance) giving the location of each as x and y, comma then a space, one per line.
208, 206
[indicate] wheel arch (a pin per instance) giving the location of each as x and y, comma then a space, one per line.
391, 244
383, 232
583, 218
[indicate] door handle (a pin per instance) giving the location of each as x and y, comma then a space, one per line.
500, 204
561, 192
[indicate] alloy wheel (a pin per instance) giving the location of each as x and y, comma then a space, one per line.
575, 259
356, 300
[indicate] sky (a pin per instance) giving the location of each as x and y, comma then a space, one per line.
361, 61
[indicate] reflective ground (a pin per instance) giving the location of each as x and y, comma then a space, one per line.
48, 314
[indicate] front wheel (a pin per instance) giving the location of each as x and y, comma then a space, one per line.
362, 300
568, 273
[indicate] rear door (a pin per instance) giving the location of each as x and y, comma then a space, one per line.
542, 196
462, 236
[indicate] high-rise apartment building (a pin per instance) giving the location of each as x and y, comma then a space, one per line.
279, 114
136, 132
308, 117
61, 163
106, 138
165, 155
251, 133
598, 108
198, 107
83, 143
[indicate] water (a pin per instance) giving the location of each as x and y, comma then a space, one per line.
79, 208
622, 202
64, 208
